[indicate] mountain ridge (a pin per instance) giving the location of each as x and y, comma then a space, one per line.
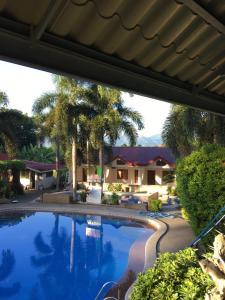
153, 140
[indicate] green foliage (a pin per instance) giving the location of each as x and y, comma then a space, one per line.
15, 165
172, 191
40, 154
184, 214
154, 204
186, 129
111, 200
4, 189
174, 276
4, 100
169, 177
201, 184
115, 187
83, 196
16, 130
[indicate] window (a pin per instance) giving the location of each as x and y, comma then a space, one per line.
122, 174
160, 162
120, 162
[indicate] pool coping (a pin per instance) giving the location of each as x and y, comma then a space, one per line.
123, 213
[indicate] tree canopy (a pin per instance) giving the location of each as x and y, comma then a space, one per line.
16, 129
187, 129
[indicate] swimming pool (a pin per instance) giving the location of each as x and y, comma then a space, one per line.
46, 256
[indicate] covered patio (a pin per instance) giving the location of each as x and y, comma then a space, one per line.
166, 49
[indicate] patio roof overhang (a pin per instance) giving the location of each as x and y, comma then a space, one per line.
170, 50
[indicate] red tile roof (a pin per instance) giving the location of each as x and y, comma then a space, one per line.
41, 167
3, 156
143, 155
34, 165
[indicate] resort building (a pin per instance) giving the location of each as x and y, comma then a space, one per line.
138, 169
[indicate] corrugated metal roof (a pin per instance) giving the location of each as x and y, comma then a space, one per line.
143, 155
165, 36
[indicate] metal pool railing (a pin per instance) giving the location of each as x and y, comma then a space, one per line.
113, 283
210, 226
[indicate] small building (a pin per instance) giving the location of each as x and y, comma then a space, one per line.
38, 174
138, 169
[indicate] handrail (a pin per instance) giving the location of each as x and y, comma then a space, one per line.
102, 288
209, 227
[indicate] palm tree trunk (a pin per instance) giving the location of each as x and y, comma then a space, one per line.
74, 165
57, 165
101, 163
88, 162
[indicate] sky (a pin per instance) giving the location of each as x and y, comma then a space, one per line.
23, 85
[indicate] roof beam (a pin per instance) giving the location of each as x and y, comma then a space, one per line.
38, 31
204, 14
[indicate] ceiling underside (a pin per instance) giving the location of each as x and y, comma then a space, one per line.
167, 49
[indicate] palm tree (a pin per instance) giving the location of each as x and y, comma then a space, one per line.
111, 118
7, 136
6, 268
187, 129
4, 100
50, 107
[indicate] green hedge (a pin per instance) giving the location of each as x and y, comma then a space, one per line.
201, 184
16, 165
173, 277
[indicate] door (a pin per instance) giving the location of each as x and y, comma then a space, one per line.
151, 177
136, 176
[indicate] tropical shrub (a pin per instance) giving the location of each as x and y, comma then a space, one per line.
174, 276
154, 204
115, 187
201, 184
111, 200
83, 196
172, 191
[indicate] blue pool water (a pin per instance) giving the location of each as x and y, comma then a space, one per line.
46, 256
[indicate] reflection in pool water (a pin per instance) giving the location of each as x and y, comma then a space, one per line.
46, 256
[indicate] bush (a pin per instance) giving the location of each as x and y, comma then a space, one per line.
184, 214
5, 190
172, 191
154, 204
111, 200
174, 276
83, 196
201, 184
115, 187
